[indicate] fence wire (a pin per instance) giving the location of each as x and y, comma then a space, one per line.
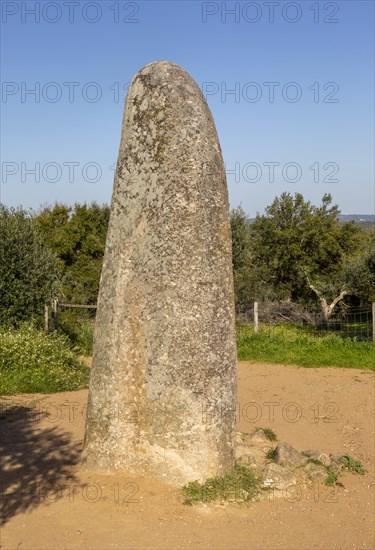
274, 318
287, 319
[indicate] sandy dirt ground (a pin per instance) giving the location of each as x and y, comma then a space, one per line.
49, 503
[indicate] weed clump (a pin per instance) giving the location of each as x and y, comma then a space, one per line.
270, 434
353, 465
34, 362
271, 454
331, 478
241, 484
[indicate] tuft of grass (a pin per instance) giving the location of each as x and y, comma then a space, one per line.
299, 345
241, 484
331, 478
33, 362
85, 338
270, 434
271, 454
79, 329
353, 465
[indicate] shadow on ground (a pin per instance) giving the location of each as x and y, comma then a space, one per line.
37, 464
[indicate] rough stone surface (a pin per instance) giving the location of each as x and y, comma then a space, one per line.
318, 455
284, 468
250, 456
336, 465
316, 472
247, 459
251, 448
260, 437
286, 454
239, 438
163, 382
277, 477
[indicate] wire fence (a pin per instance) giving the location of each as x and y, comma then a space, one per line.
276, 318
267, 318
354, 323
285, 318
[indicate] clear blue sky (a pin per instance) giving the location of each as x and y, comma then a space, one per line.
325, 120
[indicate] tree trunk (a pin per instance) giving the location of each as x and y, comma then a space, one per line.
327, 309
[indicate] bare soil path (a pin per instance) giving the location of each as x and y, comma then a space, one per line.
49, 503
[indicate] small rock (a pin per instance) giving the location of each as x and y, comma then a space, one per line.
309, 453
325, 459
238, 438
247, 460
241, 450
316, 472
286, 454
259, 437
277, 477
249, 456
336, 464
318, 455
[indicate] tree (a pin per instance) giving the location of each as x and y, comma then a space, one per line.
326, 305
30, 273
240, 238
77, 235
250, 281
360, 271
303, 249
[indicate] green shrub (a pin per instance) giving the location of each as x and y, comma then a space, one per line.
33, 362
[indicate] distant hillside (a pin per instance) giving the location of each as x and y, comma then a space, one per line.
367, 221
360, 218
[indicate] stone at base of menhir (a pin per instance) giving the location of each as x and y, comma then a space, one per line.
316, 472
278, 477
286, 454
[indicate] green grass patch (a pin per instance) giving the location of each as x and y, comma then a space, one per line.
83, 338
331, 478
33, 362
301, 345
241, 485
79, 329
353, 465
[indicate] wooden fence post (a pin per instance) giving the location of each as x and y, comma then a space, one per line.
56, 314
256, 322
46, 318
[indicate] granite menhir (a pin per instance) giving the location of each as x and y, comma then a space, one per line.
162, 396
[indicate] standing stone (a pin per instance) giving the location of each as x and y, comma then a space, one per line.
162, 393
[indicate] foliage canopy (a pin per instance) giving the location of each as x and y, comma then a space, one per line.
30, 273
